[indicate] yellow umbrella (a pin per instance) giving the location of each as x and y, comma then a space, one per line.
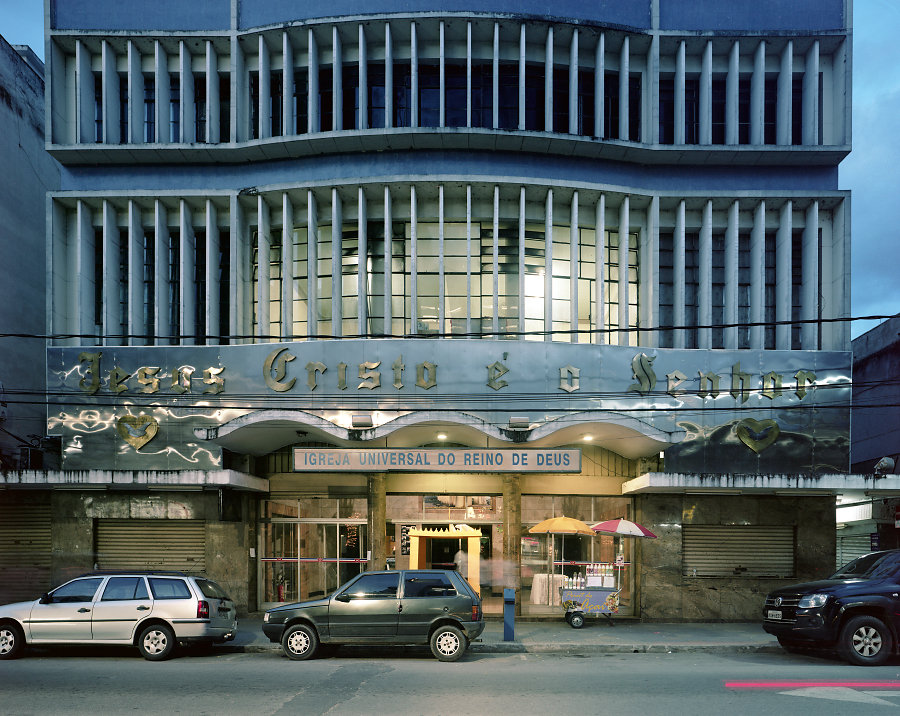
559, 526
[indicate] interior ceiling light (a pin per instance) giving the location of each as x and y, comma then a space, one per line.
588, 438
442, 436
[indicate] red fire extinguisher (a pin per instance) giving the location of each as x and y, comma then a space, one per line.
281, 588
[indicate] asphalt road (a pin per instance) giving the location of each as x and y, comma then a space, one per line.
410, 681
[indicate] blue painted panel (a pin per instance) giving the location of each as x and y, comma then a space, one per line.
431, 165
752, 15
172, 15
633, 13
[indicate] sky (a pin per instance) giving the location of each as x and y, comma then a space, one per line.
871, 172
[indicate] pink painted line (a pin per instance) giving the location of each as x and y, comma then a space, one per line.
812, 684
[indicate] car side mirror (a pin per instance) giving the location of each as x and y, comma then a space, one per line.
342, 598
46, 598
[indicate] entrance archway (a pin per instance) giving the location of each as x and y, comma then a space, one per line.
417, 551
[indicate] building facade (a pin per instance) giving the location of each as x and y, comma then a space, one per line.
320, 280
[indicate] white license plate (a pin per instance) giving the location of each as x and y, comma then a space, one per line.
773, 614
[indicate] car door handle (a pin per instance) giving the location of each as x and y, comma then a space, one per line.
399, 607
142, 608
83, 610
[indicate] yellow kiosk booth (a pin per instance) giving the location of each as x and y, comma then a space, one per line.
417, 551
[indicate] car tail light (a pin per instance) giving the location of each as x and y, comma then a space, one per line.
476, 612
202, 610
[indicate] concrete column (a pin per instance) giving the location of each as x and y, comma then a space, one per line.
312, 265
287, 267
187, 309
809, 306
238, 290
784, 277
110, 95
522, 77
388, 77
706, 95
623, 90
363, 55
495, 263
624, 230
84, 94
161, 271
388, 261
811, 96
414, 74
213, 103
650, 119
512, 535
337, 237
163, 92
574, 244
264, 101
649, 277
136, 325
82, 298
785, 89
362, 275
442, 78
599, 83
732, 277
135, 95
679, 94
414, 261
678, 292
469, 74
521, 261
495, 77
758, 278
312, 97
288, 122
840, 290
337, 81
548, 266
548, 81
573, 83
213, 285
599, 272
263, 272
376, 502
186, 89
441, 292
240, 105
704, 335
732, 94
111, 326
757, 95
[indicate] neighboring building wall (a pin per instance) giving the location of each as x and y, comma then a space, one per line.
875, 417
28, 173
668, 594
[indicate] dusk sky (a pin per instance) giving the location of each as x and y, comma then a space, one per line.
871, 172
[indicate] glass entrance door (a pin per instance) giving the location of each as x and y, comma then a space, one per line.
308, 560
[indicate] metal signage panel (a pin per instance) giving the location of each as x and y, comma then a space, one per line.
436, 460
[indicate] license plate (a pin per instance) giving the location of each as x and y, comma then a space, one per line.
773, 614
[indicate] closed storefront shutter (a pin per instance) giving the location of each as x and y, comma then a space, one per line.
850, 547
171, 545
738, 551
24, 551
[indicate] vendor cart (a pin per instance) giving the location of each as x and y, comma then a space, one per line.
580, 601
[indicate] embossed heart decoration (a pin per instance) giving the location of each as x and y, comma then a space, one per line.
137, 431
757, 434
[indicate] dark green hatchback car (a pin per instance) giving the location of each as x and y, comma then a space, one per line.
414, 606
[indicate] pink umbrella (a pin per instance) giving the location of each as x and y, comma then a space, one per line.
622, 528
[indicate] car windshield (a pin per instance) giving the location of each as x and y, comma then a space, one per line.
868, 566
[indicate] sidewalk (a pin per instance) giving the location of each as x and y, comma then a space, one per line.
596, 637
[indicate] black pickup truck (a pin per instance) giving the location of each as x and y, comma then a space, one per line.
856, 611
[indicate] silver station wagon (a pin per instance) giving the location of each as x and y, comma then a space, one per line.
153, 611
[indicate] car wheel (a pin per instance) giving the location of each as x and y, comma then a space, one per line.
576, 621
447, 643
12, 641
156, 642
300, 642
866, 641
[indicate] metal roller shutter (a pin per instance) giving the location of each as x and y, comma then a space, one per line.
738, 551
852, 546
176, 545
24, 551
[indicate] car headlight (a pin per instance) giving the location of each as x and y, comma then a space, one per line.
812, 600
266, 617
